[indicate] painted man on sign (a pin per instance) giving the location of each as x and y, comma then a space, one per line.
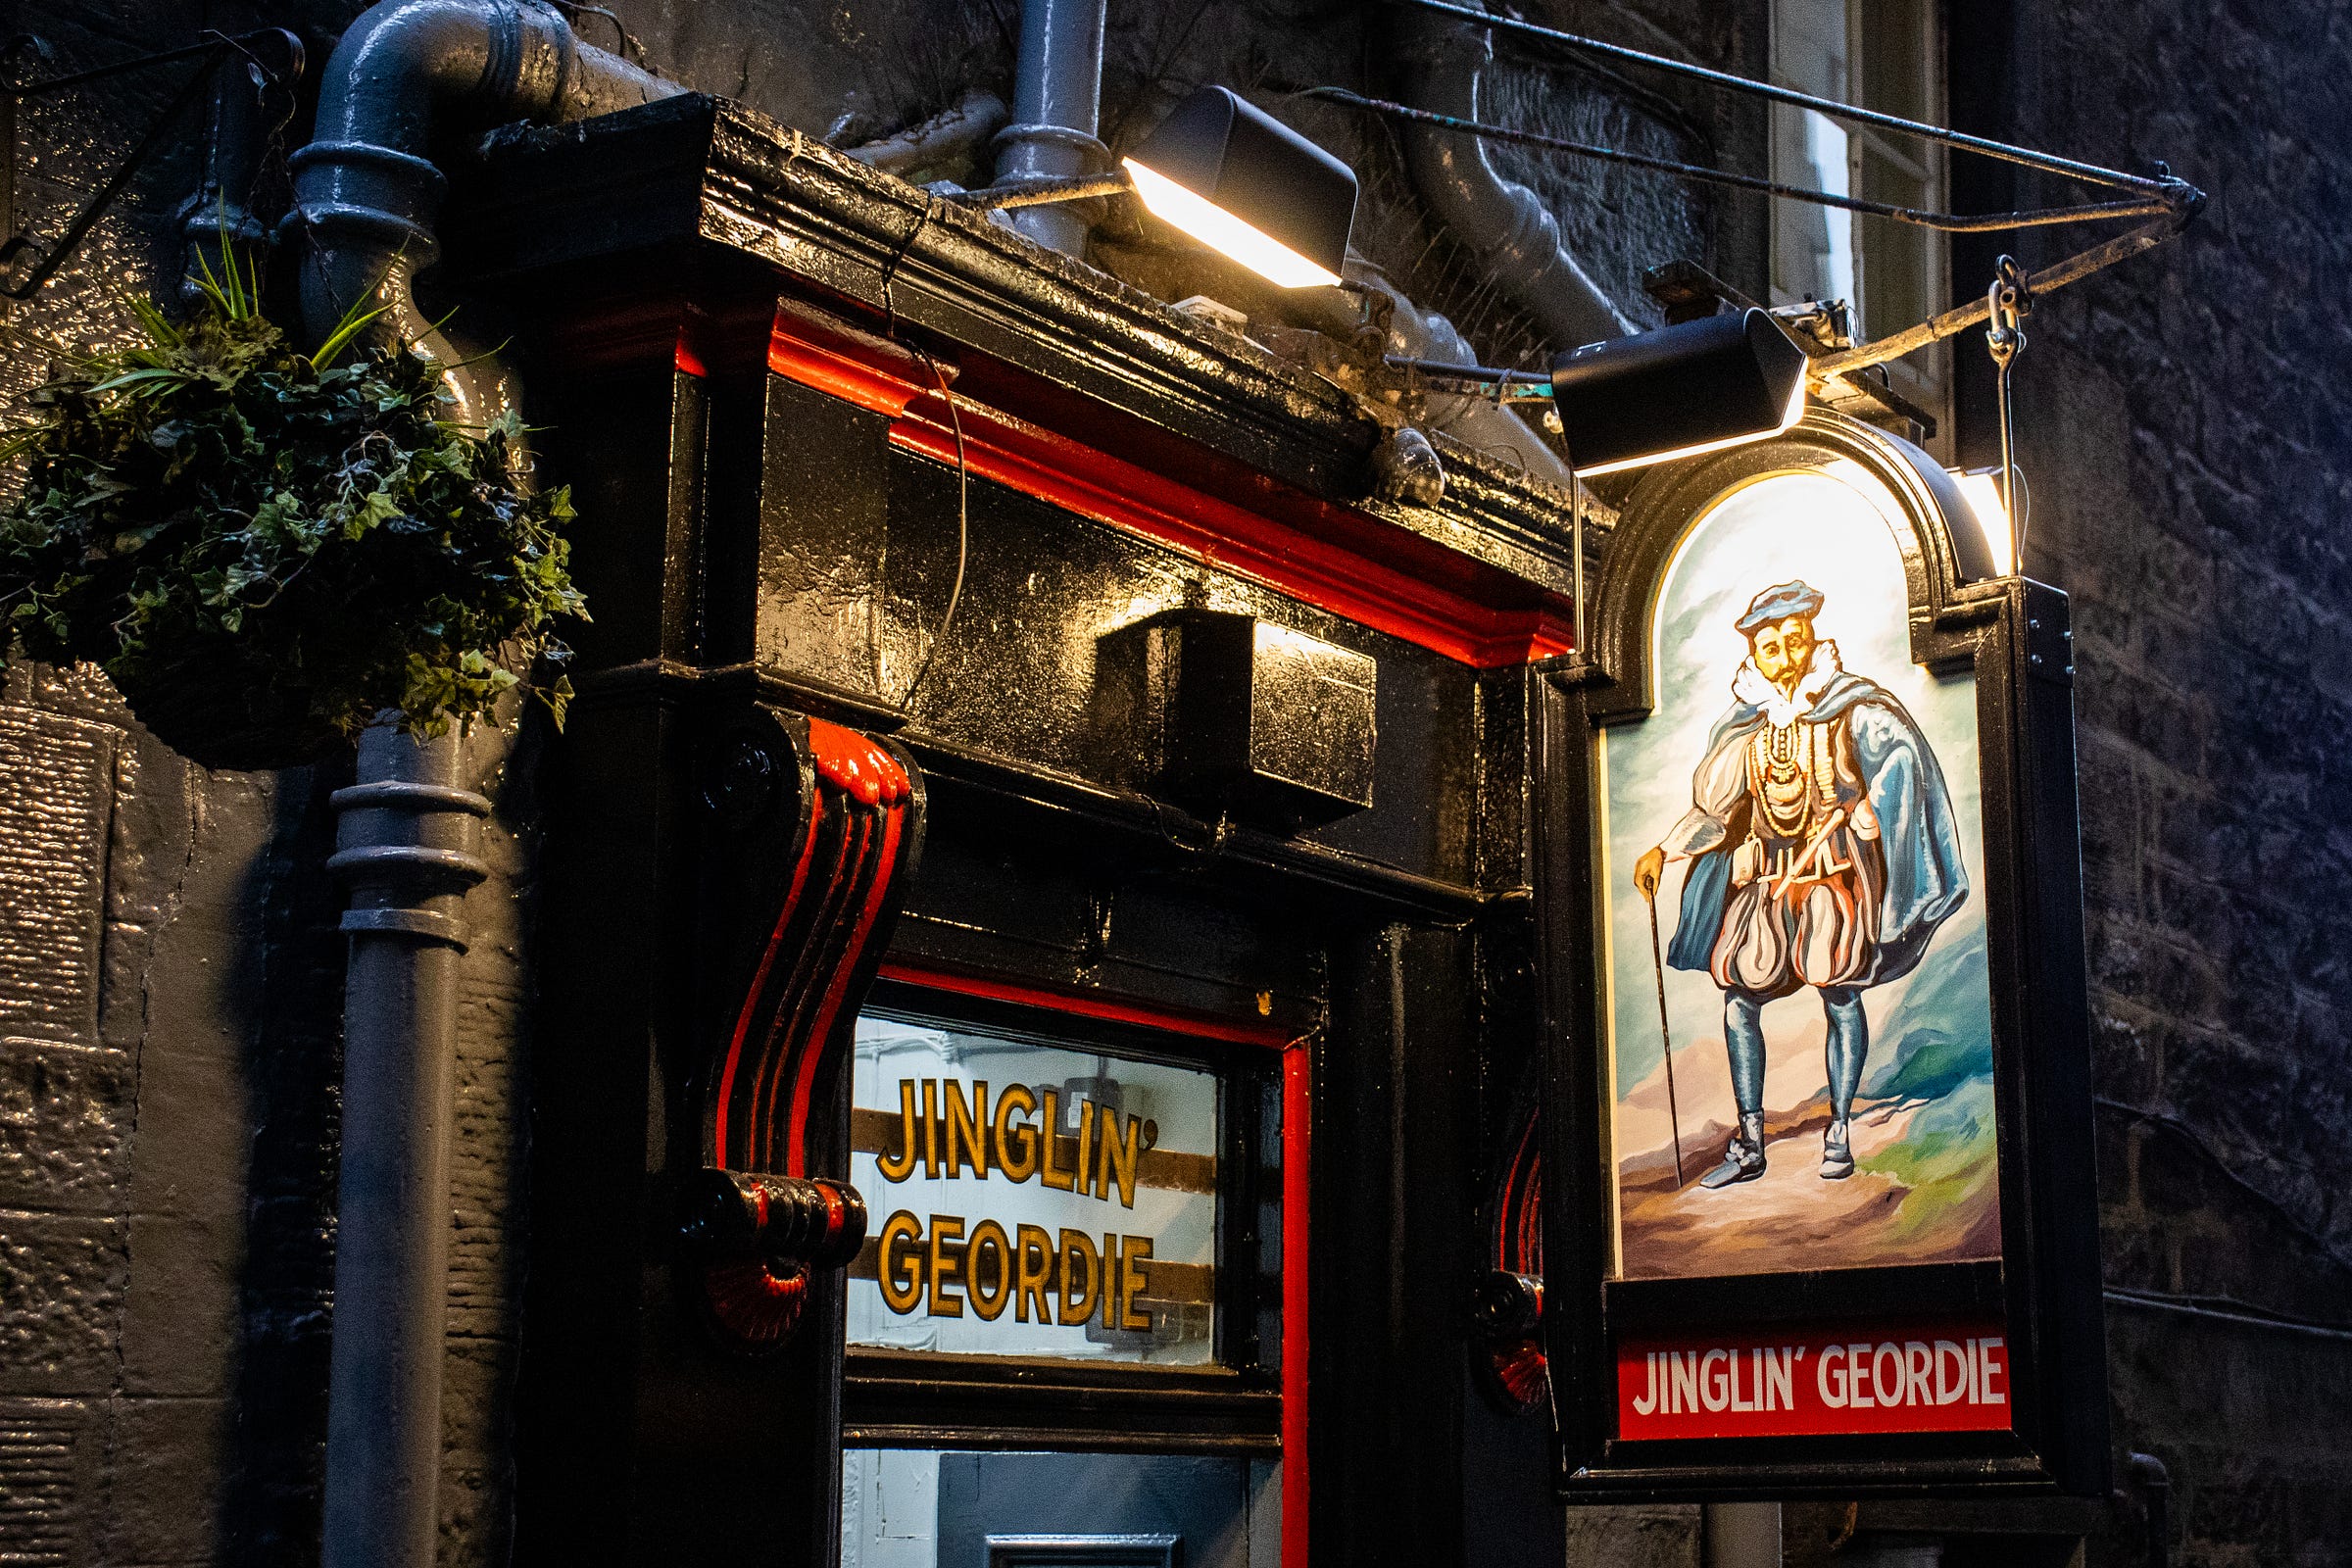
1822, 853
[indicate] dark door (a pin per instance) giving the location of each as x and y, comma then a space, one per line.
908, 1508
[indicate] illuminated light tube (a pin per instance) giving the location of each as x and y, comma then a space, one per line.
1221, 231
1982, 489
1678, 391
1248, 187
1795, 412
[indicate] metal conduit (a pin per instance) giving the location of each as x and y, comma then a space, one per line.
1506, 223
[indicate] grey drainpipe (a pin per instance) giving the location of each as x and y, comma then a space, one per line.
1507, 224
1056, 109
407, 842
366, 196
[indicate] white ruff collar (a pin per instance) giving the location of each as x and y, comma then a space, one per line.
1751, 687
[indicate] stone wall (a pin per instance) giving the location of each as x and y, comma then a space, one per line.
2187, 426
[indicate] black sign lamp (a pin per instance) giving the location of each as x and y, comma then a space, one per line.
1678, 391
1244, 184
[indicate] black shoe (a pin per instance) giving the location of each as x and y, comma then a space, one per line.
1743, 1159
1837, 1154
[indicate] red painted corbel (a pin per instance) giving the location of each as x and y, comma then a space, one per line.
1509, 1310
814, 834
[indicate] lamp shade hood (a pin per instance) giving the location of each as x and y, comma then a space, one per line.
1240, 180
1678, 390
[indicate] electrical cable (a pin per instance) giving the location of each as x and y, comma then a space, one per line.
1942, 222
2249, 1317
963, 470
2196, 1139
2048, 163
963, 534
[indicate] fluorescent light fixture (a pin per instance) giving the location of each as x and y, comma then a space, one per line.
1678, 391
1221, 231
1982, 489
1248, 187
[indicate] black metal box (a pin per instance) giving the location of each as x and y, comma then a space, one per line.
1235, 716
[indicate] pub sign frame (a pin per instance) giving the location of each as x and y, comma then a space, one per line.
2042, 1287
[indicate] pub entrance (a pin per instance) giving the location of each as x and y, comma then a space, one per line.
1065, 1204
1009, 710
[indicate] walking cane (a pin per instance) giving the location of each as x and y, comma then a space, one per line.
1674, 1117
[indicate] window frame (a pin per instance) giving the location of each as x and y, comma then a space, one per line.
1229, 1407
1923, 379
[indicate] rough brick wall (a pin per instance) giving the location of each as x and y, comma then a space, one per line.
127, 1120
171, 991
165, 1064
2189, 429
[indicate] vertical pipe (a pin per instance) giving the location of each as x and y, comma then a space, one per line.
406, 845
217, 225
2154, 1484
1507, 224
1056, 101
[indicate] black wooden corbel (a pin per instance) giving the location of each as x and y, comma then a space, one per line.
814, 832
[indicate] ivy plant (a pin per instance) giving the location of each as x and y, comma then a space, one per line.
226, 524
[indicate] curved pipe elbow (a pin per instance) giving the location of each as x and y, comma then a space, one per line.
1501, 220
366, 192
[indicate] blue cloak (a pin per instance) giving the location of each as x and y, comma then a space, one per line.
1927, 878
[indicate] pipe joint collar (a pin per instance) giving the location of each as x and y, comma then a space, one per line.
1531, 242
401, 794
1031, 134
349, 191
429, 927
408, 865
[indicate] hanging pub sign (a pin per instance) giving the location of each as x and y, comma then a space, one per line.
1813, 895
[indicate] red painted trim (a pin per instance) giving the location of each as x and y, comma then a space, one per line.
1085, 1005
1332, 557
854, 763
804, 1091
722, 1154
1297, 1106
1093, 484
767, 1078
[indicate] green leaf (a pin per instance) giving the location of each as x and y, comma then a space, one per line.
181, 479
132, 377
355, 322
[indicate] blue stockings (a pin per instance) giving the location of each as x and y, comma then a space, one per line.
1847, 1047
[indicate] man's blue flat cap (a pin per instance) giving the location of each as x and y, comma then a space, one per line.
1778, 604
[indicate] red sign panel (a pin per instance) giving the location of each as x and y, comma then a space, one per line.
1926, 1376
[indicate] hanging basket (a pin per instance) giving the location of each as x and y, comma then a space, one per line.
265, 550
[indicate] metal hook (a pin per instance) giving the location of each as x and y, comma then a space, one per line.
2007, 303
